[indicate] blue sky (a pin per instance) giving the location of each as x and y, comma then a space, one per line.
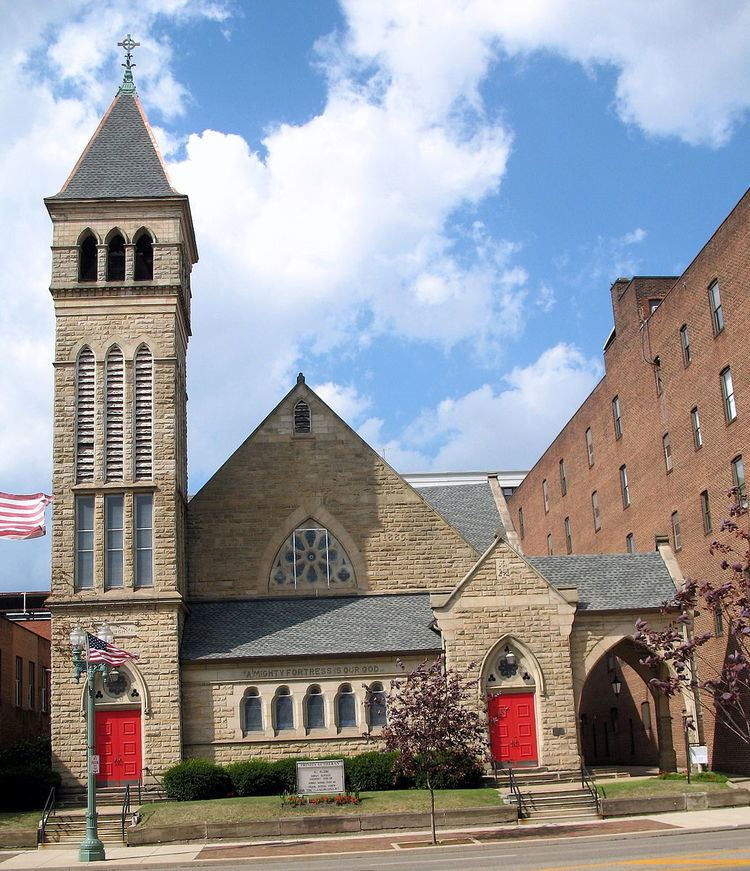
421, 206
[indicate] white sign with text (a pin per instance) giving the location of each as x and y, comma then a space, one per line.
324, 777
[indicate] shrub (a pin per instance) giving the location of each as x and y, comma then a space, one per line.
35, 752
459, 772
254, 777
26, 788
373, 771
285, 770
196, 779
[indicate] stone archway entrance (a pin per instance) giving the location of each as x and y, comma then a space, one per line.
632, 727
118, 728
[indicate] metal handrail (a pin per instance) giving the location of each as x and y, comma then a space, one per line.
515, 789
151, 774
49, 810
125, 810
587, 782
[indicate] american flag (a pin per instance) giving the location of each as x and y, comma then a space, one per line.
100, 651
22, 517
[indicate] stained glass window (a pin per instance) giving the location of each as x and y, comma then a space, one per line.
311, 559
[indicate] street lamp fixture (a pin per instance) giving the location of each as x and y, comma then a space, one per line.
616, 685
91, 849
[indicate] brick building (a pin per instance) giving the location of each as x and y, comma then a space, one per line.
652, 451
271, 610
24, 680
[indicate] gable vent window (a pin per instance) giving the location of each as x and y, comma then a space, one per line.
116, 258
85, 381
115, 396
143, 414
302, 417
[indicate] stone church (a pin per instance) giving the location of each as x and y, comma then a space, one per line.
271, 610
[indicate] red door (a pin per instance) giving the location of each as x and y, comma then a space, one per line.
513, 728
118, 745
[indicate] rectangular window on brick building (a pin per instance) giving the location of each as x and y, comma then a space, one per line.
718, 622
595, 511
676, 531
706, 512
624, 486
84, 557
695, 422
630, 543
727, 391
738, 480
549, 544
590, 447
545, 496
521, 530
32, 685
568, 536
617, 416
18, 694
657, 376
717, 312
44, 690
685, 344
563, 478
667, 449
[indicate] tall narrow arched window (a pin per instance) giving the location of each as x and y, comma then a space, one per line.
252, 713
346, 707
116, 258
283, 710
302, 417
143, 414
378, 711
87, 254
114, 410
143, 268
85, 392
315, 703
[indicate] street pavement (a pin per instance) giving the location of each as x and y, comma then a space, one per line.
708, 839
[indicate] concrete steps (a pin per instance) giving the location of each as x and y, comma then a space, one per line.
70, 829
554, 805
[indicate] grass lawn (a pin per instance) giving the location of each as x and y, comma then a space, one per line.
20, 819
656, 786
235, 810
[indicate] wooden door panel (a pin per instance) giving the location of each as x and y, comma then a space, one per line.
513, 728
118, 743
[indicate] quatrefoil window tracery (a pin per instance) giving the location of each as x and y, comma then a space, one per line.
311, 559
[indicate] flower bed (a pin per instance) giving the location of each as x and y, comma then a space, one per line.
290, 799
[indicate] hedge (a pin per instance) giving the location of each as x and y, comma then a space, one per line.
461, 772
26, 788
255, 777
196, 779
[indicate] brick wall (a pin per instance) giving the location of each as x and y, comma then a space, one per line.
647, 416
27, 720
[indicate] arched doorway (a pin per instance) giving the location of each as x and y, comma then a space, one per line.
622, 720
118, 727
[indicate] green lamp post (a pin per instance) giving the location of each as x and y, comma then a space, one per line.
92, 849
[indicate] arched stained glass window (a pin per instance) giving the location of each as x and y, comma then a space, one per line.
311, 559
284, 710
377, 700
316, 715
253, 713
346, 707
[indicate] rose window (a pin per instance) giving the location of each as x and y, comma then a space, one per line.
311, 559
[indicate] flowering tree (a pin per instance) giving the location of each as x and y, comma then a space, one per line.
434, 726
725, 694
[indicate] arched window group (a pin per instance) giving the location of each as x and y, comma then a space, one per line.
314, 710
114, 415
116, 260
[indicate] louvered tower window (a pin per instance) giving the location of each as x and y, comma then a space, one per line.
85, 385
302, 417
143, 423
115, 397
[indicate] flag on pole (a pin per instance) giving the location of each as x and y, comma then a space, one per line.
101, 651
22, 517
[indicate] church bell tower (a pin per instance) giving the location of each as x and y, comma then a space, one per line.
122, 252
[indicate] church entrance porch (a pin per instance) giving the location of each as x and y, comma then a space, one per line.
118, 746
513, 729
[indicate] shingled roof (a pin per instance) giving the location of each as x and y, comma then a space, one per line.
610, 582
470, 508
121, 158
327, 626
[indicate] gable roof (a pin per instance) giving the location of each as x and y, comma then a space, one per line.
121, 158
328, 626
610, 581
469, 508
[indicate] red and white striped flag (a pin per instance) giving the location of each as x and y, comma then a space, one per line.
22, 517
102, 651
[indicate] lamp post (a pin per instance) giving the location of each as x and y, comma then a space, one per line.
616, 686
91, 849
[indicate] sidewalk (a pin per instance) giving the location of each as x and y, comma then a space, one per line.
168, 855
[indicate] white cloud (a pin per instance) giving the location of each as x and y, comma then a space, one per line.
344, 399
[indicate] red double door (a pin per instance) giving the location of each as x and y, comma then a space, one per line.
513, 728
118, 745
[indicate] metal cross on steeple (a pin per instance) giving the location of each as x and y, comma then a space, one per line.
128, 85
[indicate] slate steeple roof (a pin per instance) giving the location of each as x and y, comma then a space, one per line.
121, 158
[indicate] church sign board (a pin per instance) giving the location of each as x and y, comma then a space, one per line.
325, 777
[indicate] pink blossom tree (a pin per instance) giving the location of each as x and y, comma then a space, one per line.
434, 726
